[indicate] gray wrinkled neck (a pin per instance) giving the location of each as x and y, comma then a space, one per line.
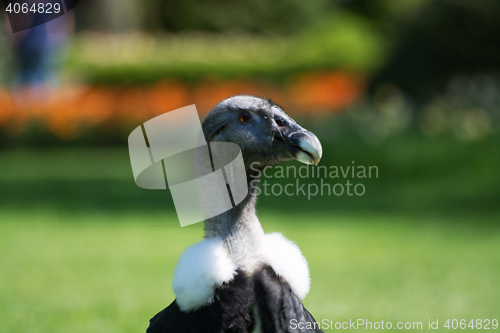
241, 232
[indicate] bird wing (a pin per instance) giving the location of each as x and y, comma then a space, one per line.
230, 311
279, 309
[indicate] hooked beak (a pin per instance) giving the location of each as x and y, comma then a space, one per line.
302, 146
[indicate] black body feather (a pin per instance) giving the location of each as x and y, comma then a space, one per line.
232, 309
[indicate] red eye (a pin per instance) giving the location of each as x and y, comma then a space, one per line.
244, 116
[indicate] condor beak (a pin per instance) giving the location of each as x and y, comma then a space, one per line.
302, 146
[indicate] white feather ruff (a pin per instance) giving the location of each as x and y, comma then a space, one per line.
206, 265
285, 258
202, 268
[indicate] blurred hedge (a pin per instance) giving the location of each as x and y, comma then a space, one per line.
344, 41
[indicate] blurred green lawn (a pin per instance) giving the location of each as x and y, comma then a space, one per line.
82, 249
113, 272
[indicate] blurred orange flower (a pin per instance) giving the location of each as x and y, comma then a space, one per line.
7, 107
166, 96
72, 110
326, 91
210, 92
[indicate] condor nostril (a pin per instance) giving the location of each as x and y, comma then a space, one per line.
280, 122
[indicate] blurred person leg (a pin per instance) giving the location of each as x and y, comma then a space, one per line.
38, 52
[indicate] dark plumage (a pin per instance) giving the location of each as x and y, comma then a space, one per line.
232, 309
262, 296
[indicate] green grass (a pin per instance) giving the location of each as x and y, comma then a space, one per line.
97, 272
83, 249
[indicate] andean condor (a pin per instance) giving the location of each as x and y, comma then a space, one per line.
239, 279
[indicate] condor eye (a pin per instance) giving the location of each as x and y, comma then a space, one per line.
244, 116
